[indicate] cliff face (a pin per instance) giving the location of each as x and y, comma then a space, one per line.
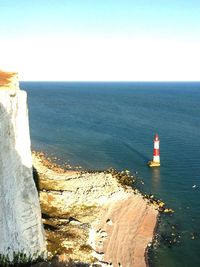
20, 220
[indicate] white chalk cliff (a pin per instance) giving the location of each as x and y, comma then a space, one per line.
20, 221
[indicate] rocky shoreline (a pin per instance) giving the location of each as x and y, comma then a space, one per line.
94, 217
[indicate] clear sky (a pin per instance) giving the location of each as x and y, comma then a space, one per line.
101, 40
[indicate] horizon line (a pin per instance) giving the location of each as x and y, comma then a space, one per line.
96, 81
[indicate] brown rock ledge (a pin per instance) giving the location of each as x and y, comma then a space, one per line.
92, 218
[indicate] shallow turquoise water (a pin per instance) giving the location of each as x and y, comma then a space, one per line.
99, 125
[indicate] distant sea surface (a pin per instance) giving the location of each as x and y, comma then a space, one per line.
102, 125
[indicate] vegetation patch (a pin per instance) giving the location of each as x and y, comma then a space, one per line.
86, 248
19, 259
52, 211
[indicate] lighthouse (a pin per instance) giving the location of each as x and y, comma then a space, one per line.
156, 153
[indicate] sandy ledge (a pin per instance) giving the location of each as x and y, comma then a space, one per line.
92, 218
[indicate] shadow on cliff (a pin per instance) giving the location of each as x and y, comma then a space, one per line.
36, 179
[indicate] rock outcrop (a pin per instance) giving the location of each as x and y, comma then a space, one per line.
21, 228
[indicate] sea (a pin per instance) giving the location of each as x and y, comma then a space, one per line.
98, 125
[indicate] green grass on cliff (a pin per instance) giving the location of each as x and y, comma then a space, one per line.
20, 259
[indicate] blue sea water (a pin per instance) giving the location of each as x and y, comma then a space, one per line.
99, 125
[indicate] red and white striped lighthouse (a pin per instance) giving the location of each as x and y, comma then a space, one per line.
156, 153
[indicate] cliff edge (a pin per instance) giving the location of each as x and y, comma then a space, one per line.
20, 221
9, 80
